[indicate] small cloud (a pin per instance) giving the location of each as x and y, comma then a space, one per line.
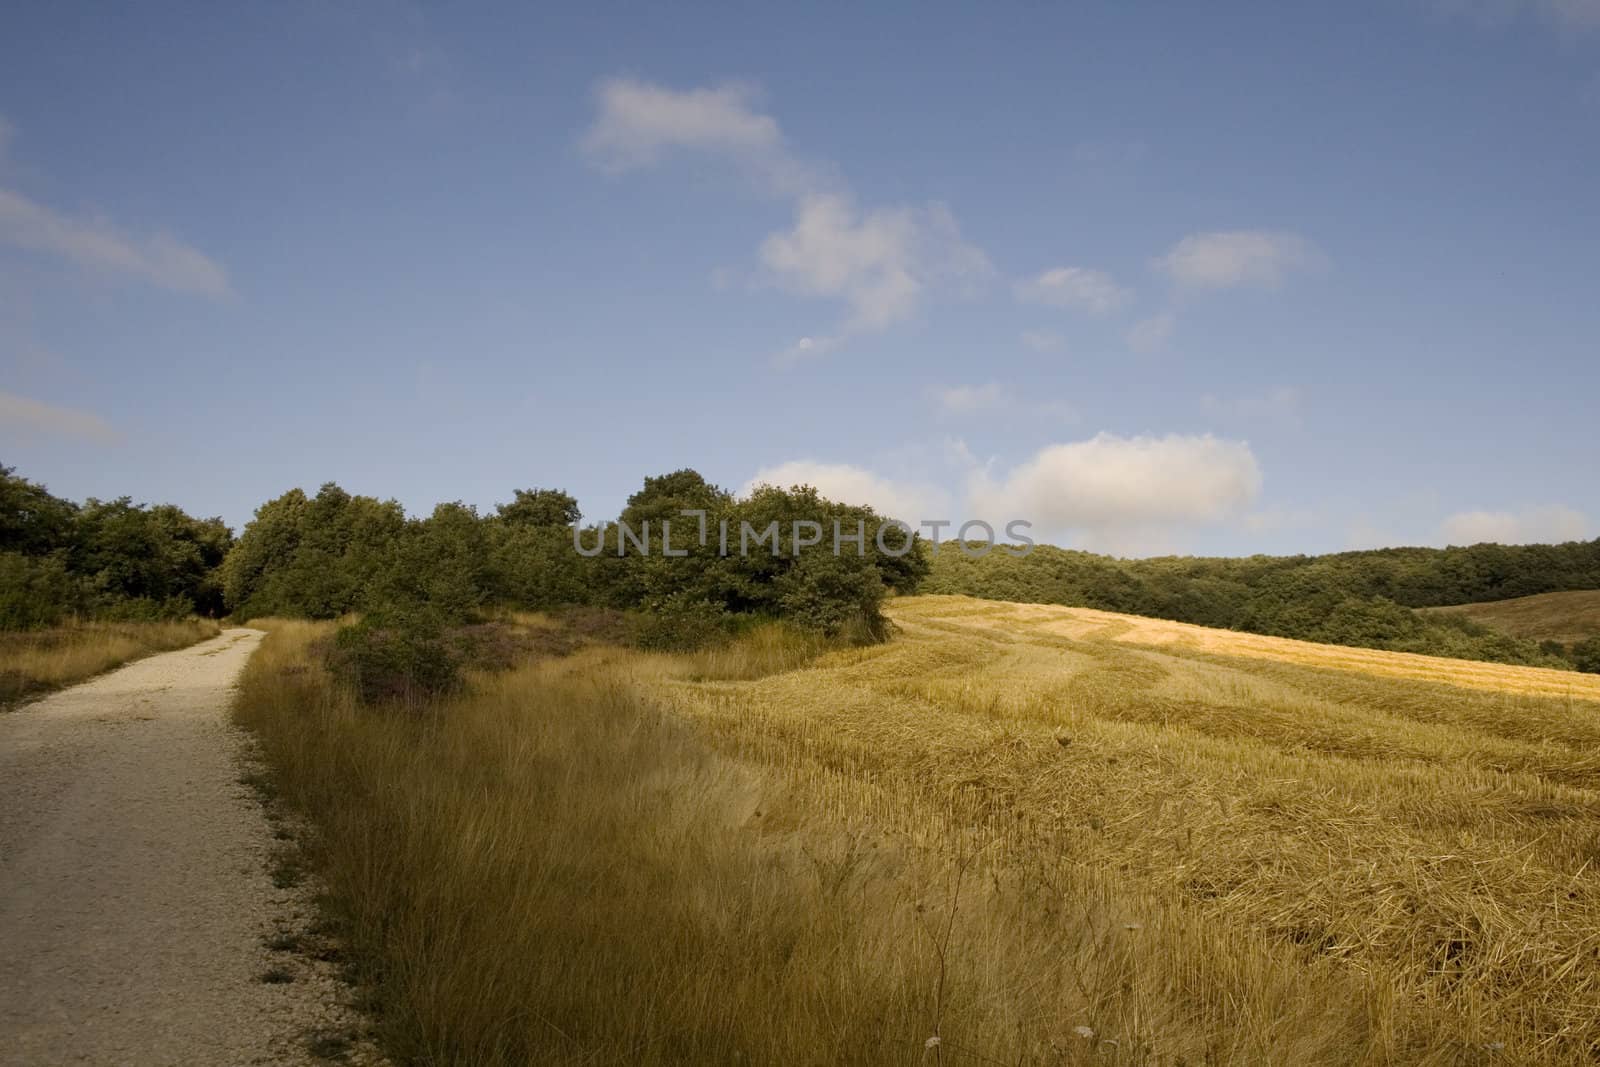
880, 262
639, 122
849, 484
1238, 257
98, 245
1076, 287
1117, 490
1043, 340
1152, 334
1547, 525
29, 417
970, 399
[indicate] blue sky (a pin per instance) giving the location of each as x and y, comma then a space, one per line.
1200, 278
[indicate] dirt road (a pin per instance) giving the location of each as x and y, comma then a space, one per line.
134, 887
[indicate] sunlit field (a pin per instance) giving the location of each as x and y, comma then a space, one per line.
34, 661
1012, 834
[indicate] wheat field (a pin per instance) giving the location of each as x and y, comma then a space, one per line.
1432, 825
1013, 834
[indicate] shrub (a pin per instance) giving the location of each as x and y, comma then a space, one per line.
36, 591
396, 660
681, 622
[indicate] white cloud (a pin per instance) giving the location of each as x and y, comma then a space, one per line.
637, 121
970, 399
1078, 287
855, 485
98, 245
1043, 340
30, 417
1237, 257
1116, 489
1152, 334
1549, 525
879, 262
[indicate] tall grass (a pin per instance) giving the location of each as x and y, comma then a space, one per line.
34, 661
554, 868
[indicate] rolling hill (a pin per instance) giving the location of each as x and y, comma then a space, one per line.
1565, 617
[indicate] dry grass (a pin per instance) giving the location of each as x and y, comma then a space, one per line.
35, 661
1566, 617
1091, 625
1005, 829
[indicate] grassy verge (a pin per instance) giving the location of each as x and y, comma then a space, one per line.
35, 661
552, 868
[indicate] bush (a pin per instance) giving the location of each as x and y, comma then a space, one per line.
36, 591
681, 622
396, 660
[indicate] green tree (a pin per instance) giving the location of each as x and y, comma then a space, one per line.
540, 507
32, 521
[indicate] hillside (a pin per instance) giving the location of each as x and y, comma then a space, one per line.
1569, 618
1361, 599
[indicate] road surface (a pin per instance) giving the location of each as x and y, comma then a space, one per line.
135, 895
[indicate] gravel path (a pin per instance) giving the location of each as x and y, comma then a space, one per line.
135, 898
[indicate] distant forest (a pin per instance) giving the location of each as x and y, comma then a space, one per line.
1349, 598
334, 553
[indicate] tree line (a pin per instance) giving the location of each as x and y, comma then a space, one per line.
1349, 598
333, 553
107, 559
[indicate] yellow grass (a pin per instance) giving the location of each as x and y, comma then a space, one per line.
37, 660
1088, 624
1566, 617
1009, 827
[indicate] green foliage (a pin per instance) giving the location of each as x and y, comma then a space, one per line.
536, 567
107, 559
32, 522
770, 555
540, 507
1585, 655
311, 557
396, 657
1352, 598
441, 566
37, 591
680, 622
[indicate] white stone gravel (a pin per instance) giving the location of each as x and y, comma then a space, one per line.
135, 892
